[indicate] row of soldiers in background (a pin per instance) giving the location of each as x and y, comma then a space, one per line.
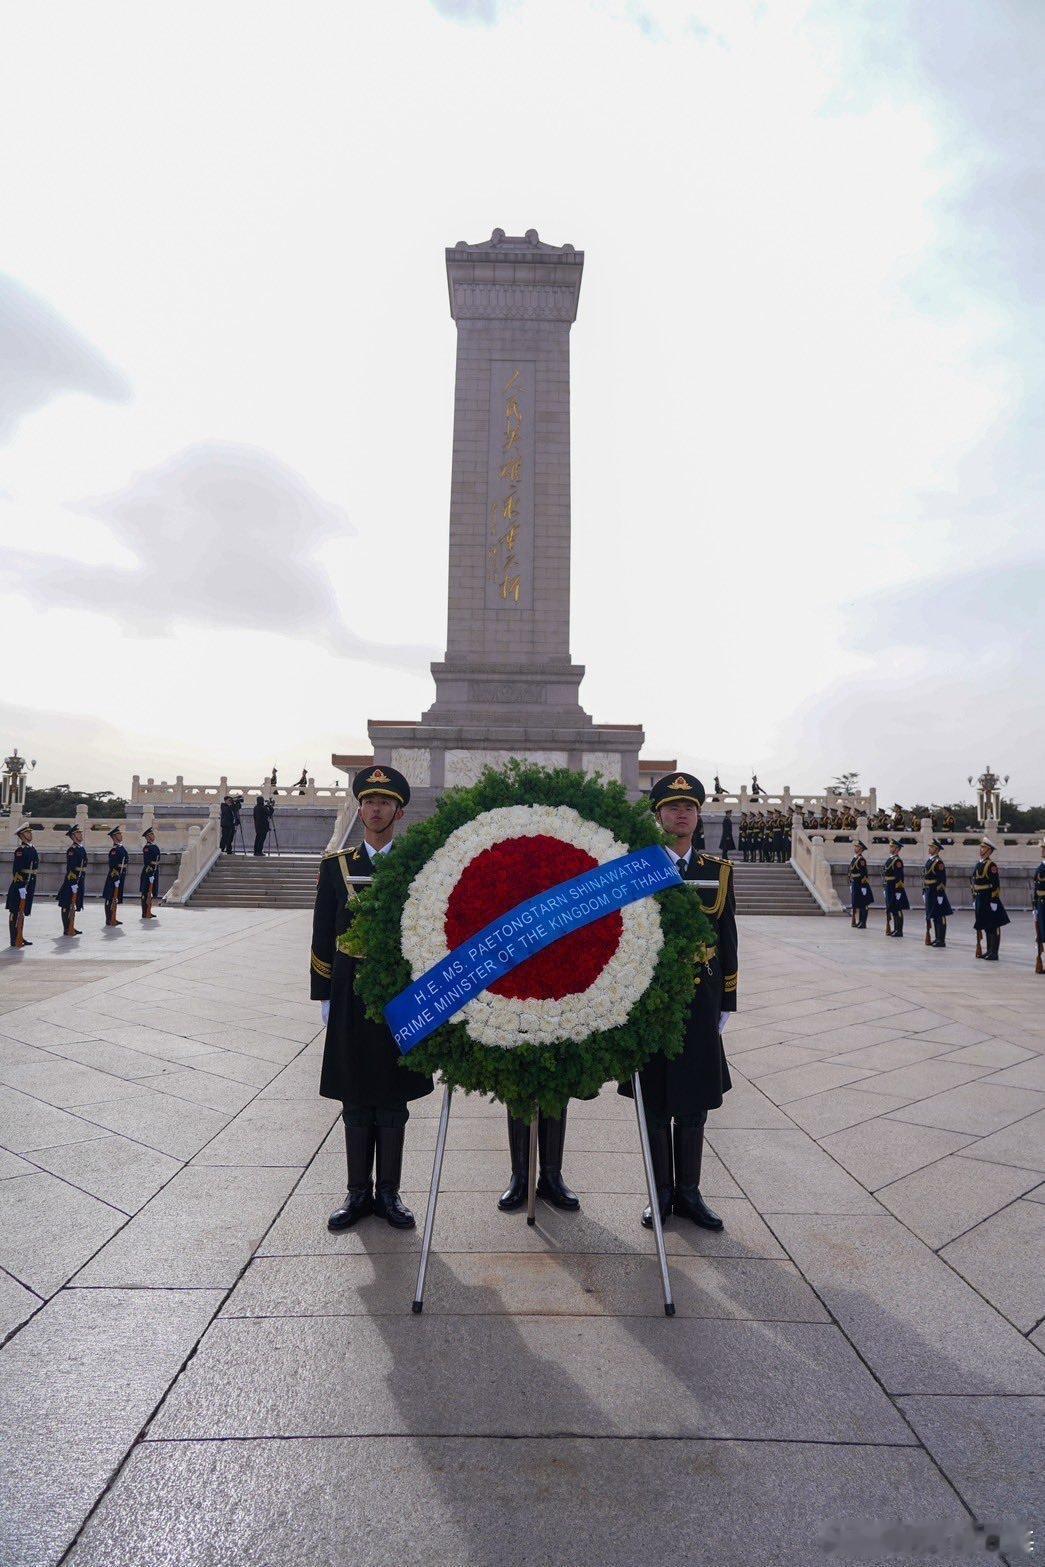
989, 914
765, 837
844, 819
70, 894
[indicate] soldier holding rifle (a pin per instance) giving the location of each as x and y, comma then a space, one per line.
23, 886
896, 899
70, 893
934, 896
149, 880
989, 912
115, 877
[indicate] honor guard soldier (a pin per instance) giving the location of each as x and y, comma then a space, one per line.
361, 1061
861, 895
989, 912
896, 899
149, 880
934, 896
1039, 913
743, 836
70, 893
115, 877
23, 886
725, 842
686, 1088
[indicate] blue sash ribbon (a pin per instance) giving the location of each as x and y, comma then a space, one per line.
519, 934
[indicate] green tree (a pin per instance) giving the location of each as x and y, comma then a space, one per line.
846, 783
61, 801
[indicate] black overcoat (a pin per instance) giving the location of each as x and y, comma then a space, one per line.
23, 874
150, 867
988, 909
698, 1078
896, 899
361, 1061
72, 886
934, 889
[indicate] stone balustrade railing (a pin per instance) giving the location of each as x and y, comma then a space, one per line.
49, 832
810, 860
788, 801
198, 855
151, 792
961, 846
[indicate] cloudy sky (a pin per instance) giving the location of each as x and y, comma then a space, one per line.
808, 384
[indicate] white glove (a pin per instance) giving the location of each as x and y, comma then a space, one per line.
994, 908
723, 1019
151, 879
940, 898
21, 892
325, 1008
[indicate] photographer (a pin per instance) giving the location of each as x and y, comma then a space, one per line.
263, 810
229, 822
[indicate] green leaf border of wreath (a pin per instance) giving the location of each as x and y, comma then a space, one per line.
549, 1075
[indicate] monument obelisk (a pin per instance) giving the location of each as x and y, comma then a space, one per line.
507, 686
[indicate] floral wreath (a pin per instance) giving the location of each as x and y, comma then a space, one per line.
591, 1008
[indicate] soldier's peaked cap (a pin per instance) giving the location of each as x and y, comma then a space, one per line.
149, 830
70, 830
934, 843
894, 843
985, 843
26, 827
113, 831
387, 781
676, 786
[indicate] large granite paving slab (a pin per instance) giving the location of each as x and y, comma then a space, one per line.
272, 1132
1021, 1143
948, 1197
785, 1172
27, 1123
433, 1375
991, 1450
113, 1169
171, 1126
49, 1229
199, 1231
919, 1326
1004, 1258
878, 1152
16, 1303
78, 1382
977, 1107
465, 1503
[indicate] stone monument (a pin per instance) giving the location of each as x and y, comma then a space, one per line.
507, 686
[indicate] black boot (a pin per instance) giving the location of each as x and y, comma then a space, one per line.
898, 925
551, 1136
389, 1171
660, 1152
939, 933
519, 1148
359, 1202
993, 944
688, 1203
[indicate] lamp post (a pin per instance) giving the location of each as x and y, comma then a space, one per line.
988, 795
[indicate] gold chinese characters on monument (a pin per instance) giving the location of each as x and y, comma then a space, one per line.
509, 548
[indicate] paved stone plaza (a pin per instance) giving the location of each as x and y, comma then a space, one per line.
200, 1374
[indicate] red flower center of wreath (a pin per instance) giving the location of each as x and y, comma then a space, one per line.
505, 875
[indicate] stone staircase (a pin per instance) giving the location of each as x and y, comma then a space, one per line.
288, 881
239, 881
771, 889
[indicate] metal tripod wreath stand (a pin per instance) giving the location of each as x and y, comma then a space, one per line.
531, 1209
